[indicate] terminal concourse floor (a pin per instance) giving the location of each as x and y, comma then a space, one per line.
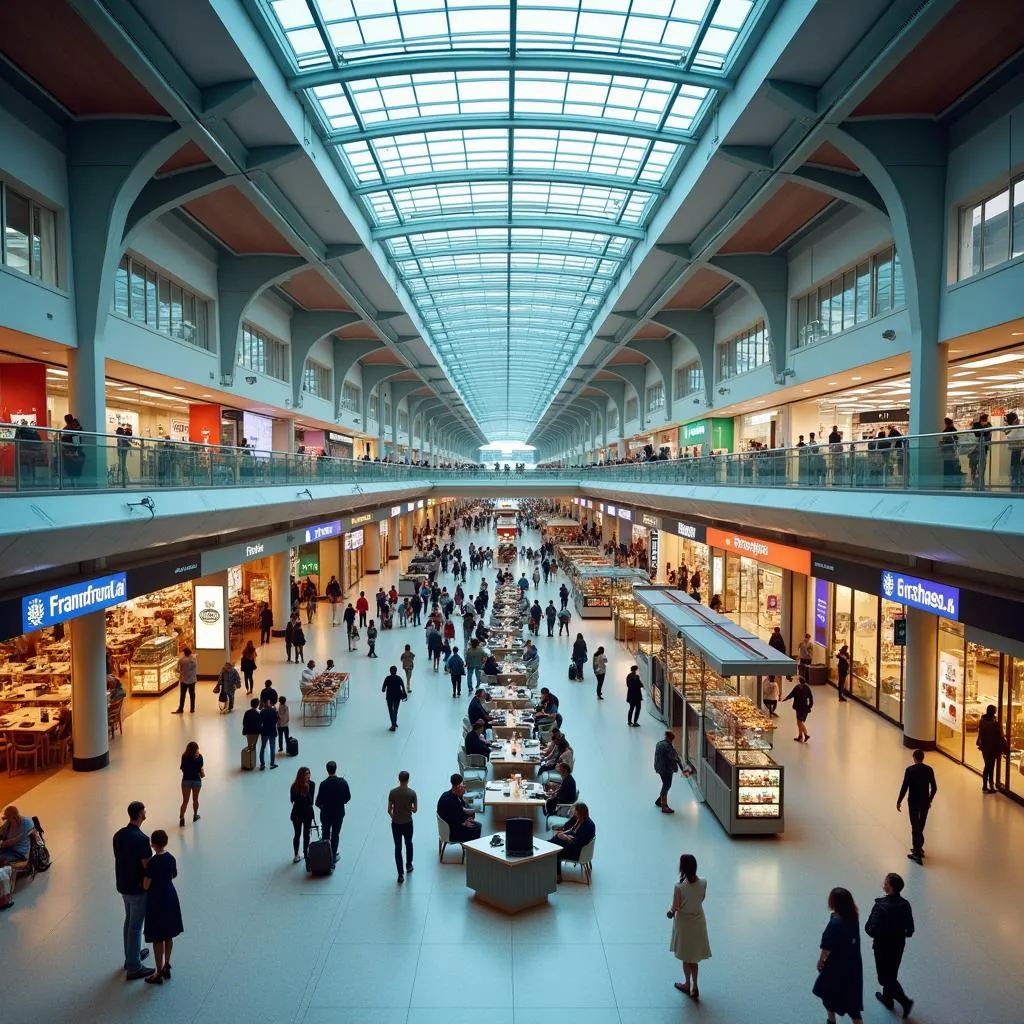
264, 942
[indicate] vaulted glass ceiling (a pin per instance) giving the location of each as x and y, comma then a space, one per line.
509, 157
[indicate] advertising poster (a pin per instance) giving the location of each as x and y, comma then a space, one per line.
820, 612
951, 681
209, 603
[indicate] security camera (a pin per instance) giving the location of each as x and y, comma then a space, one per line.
250, 380
889, 335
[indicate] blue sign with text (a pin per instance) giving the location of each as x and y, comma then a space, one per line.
927, 595
821, 612
50, 606
323, 531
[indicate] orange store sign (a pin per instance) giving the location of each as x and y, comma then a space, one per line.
766, 551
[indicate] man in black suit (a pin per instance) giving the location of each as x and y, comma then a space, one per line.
394, 693
452, 811
919, 787
331, 798
563, 792
475, 742
477, 712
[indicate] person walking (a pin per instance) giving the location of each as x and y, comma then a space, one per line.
251, 724
890, 924
805, 650
362, 607
992, 744
371, 640
163, 909
187, 669
634, 696
299, 640
333, 592
770, 695
550, 616
248, 665
456, 670
435, 646
842, 670
666, 763
840, 981
564, 618
402, 805
408, 660
919, 788
803, 701
689, 942
334, 793
131, 853
563, 595
394, 693
776, 641
192, 774
284, 717
266, 624
289, 639
599, 663
301, 796
579, 654
536, 578
268, 732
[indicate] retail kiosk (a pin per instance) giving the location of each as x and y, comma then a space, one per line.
599, 590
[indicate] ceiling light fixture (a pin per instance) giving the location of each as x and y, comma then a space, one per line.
1007, 357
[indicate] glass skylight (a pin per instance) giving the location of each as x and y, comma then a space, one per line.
509, 158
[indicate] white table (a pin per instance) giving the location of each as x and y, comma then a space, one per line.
504, 762
508, 883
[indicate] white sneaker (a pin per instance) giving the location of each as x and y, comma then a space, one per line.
296, 859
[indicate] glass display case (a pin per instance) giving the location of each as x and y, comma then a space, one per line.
154, 665
599, 589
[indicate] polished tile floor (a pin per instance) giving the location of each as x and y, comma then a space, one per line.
264, 942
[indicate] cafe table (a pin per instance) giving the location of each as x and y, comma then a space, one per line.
26, 720
512, 673
29, 697
523, 761
506, 723
508, 801
508, 883
511, 697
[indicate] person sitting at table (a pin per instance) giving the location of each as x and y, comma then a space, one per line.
477, 711
550, 752
562, 792
15, 836
306, 679
461, 822
578, 831
531, 659
115, 688
490, 670
563, 752
475, 742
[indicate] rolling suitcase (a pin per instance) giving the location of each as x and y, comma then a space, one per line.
319, 858
248, 759
293, 747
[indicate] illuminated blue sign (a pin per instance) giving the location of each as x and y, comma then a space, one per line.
322, 531
927, 595
50, 606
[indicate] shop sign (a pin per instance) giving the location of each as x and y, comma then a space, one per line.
322, 531
575, 501
410, 506
899, 631
651, 522
147, 579
653, 556
431, 502
847, 574
419, 504
821, 612
884, 416
353, 540
767, 551
626, 513
694, 432
760, 419
63, 603
951, 673
396, 510
219, 559
772, 602
363, 517
209, 602
927, 595
339, 438
610, 509
309, 564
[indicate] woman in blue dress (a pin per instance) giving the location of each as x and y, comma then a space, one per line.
840, 981
163, 911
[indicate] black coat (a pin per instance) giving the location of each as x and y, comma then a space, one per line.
334, 794
302, 803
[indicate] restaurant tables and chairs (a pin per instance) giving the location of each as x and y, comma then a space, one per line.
28, 746
512, 756
507, 724
511, 697
115, 722
471, 766
509, 796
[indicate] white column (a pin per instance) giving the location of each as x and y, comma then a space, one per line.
920, 686
405, 531
371, 549
394, 538
89, 692
607, 528
281, 590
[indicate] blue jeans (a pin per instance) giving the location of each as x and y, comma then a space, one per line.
473, 675
264, 741
134, 918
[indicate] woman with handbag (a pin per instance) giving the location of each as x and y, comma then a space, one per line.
689, 942
301, 795
840, 981
227, 682
248, 663
192, 774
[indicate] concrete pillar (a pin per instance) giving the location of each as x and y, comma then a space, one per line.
280, 590
625, 532
607, 528
330, 561
210, 661
89, 692
283, 436
371, 549
394, 538
920, 687
405, 531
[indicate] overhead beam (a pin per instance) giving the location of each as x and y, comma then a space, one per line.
750, 158
217, 101
794, 98
269, 158
574, 63
432, 224
489, 176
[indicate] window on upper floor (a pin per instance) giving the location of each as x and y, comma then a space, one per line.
351, 398
744, 352
371, 411
316, 379
258, 351
613, 419
403, 421
387, 412
148, 297
29, 240
632, 409
689, 379
870, 288
992, 230
656, 397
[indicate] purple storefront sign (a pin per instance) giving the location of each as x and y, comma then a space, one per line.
821, 612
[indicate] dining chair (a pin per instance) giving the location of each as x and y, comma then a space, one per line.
585, 860
114, 720
444, 839
25, 747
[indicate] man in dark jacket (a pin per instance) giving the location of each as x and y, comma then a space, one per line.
456, 670
131, 852
666, 763
331, 798
462, 824
919, 787
563, 595
394, 693
803, 701
890, 924
477, 712
562, 792
268, 731
266, 624
475, 742
550, 614
251, 723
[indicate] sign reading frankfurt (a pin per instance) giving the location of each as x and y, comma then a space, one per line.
50, 606
927, 595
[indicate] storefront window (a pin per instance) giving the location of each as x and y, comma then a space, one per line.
841, 609
981, 689
949, 731
890, 665
1013, 716
864, 678
769, 600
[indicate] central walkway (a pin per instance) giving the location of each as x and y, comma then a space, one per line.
264, 942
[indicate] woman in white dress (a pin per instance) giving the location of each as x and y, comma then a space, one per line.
689, 941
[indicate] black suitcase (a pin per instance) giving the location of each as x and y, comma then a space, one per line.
293, 747
319, 858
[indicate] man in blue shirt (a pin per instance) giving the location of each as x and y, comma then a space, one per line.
131, 851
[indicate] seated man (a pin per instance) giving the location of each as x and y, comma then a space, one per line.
563, 792
579, 831
475, 742
306, 679
490, 670
477, 712
452, 811
15, 836
531, 659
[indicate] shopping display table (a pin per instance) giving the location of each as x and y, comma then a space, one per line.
508, 883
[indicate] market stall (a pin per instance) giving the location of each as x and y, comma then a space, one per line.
599, 589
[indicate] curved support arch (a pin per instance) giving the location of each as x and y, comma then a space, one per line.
309, 327
697, 326
374, 375
659, 355
636, 377
348, 352
616, 391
